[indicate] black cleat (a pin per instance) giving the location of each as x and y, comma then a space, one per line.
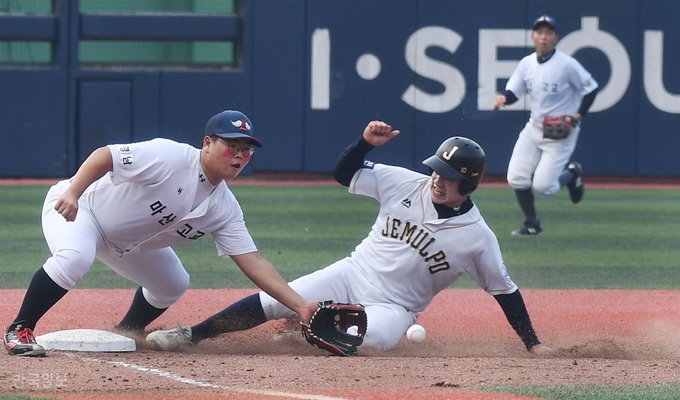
528, 229
575, 187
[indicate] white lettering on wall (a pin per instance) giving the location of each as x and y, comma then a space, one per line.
452, 79
491, 69
321, 69
653, 75
591, 37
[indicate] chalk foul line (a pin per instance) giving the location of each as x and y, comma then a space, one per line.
198, 383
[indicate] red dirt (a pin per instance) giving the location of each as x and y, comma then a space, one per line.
603, 337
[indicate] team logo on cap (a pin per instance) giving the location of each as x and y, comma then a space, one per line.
242, 125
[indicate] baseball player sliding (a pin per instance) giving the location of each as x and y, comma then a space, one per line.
127, 205
562, 92
427, 234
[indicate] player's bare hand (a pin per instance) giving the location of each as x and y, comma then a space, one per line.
67, 206
542, 350
378, 133
305, 313
499, 102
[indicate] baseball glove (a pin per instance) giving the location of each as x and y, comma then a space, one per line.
327, 329
558, 127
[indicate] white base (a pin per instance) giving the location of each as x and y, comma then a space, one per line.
86, 340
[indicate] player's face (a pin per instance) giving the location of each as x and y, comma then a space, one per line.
225, 158
545, 40
444, 191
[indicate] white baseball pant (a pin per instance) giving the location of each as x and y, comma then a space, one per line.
75, 245
344, 283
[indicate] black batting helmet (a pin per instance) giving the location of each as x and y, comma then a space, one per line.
459, 158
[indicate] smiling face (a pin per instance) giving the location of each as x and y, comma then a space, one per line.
224, 159
545, 39
444, 191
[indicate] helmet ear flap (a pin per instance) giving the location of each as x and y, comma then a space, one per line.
467, 186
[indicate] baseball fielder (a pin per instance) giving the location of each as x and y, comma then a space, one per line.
558, 86
427, 234
127, 205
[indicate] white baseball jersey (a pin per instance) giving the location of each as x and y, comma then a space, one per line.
409, 256
555, 86
156, 196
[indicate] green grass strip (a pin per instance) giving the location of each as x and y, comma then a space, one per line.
615, 238
593, 392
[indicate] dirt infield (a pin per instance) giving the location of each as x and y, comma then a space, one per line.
604, 337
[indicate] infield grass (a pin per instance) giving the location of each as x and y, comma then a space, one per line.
2, 397
594, 392
615, 238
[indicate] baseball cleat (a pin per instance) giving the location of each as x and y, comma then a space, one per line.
575, 187
21, 342
528, 229
169, 340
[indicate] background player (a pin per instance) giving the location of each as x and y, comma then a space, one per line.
556, 83
427, 234
127, 205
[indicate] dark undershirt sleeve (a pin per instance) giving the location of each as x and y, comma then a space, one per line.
518, 317
587, 102
350, 161
509, 97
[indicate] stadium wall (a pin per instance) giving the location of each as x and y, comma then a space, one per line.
312, 73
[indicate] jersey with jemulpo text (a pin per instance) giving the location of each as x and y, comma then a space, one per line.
410, 254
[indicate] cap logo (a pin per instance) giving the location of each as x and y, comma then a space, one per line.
463, 170
242, 125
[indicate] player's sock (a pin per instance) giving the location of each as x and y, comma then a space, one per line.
140, 314
565, 177
42, 294
525, 199
244, 314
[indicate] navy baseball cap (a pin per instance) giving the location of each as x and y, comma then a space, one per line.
232, 124
546, 20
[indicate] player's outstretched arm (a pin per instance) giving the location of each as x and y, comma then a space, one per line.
262, 273
517, 315
378, 133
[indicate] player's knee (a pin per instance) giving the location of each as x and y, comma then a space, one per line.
67, 267
385, 333
273, 309
380, 342
517, 182
546, 189
177, 287
167, 294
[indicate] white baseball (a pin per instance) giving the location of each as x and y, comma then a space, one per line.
416, 333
